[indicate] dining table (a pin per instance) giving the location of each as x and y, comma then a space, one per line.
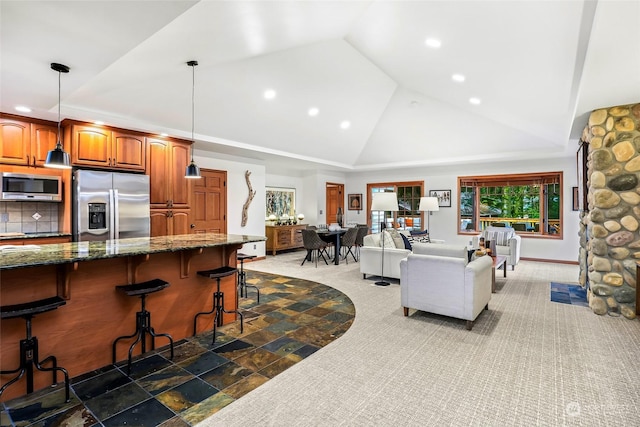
333, 236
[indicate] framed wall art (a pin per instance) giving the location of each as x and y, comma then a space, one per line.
280, 201
444, 197
576, 199
355, 202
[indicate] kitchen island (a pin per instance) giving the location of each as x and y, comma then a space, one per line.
80, 334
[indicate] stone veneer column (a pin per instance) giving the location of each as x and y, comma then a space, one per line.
613, 221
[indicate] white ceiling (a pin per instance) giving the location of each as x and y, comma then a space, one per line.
539, 67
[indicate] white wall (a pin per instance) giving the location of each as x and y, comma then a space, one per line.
310, 197
444, 223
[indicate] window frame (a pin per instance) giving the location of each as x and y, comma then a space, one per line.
511, 180
394, 214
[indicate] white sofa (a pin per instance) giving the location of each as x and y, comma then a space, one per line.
371, 256
507, 243
440, 280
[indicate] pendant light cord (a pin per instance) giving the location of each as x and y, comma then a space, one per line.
193, 106
59, 144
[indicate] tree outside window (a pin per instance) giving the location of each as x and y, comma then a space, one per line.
529, 203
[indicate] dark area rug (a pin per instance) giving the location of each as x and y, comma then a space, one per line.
569, 294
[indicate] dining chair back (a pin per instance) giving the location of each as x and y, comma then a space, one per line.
314, 245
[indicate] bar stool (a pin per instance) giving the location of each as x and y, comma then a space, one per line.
242, 276
218, 299
29, 345
143, 318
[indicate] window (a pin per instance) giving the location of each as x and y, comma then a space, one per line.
408, 216
530, 203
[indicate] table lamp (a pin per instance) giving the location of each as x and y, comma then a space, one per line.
384, 202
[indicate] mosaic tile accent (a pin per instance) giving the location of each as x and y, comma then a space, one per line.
294, 319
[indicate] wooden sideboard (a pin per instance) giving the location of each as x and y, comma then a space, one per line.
280, 237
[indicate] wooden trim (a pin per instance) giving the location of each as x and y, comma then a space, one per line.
554, 261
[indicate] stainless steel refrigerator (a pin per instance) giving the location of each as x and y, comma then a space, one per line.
110, 205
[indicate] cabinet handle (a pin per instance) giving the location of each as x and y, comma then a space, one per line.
28, 160
193, 226
34, 161
109, 161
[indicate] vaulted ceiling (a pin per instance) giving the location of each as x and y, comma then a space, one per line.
537, 68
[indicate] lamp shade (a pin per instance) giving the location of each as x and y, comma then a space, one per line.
384, 202
429, 204
58, 159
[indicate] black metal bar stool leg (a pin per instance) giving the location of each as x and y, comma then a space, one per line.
242, 278
218, 301
143, 320
29, 356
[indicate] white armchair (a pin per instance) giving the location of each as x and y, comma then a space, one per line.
439, 279
507, 243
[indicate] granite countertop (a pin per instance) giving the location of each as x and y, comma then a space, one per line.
61, 253
13, 236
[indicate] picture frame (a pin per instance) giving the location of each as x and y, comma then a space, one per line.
280, 201
444, 197
354, 202
576, 199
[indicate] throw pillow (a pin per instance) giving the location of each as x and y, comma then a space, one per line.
418, 232
407, 243
387, 241
397, 240
500, 237
421, 238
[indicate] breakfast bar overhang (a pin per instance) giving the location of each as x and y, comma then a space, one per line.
81, 333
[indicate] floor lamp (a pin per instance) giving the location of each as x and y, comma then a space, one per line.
384, 202
428, 204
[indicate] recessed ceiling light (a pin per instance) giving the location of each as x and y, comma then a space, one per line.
98, 122
313, 111
457, 78
434, 43
346, 124
23, 109
164, 134
269, 94
474, 101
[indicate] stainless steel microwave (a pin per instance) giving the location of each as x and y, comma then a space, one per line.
31, 187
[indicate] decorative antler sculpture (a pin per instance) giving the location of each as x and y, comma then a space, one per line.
245, 208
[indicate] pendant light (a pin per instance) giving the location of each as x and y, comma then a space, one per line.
193, 171
58, 158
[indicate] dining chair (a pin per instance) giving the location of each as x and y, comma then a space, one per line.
314, 246
348, 243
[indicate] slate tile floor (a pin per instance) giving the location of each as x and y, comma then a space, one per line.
569, 294
294, 319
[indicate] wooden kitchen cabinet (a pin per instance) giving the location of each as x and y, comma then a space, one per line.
280, 237
25, 143
102, 147
166, 165
169, 222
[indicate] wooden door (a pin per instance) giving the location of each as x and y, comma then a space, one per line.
209, 208
43, 140
129, 151
91, 146
15, 142
335, 200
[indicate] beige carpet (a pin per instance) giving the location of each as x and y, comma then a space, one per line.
527, 361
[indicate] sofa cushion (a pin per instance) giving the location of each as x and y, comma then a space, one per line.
419, 238
397, 240
407, 243
501, 237
387, 241
441, 249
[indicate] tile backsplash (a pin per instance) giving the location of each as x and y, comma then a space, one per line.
29, 217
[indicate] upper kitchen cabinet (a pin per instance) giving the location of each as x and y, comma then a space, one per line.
101, 147
24, 142
166, 165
